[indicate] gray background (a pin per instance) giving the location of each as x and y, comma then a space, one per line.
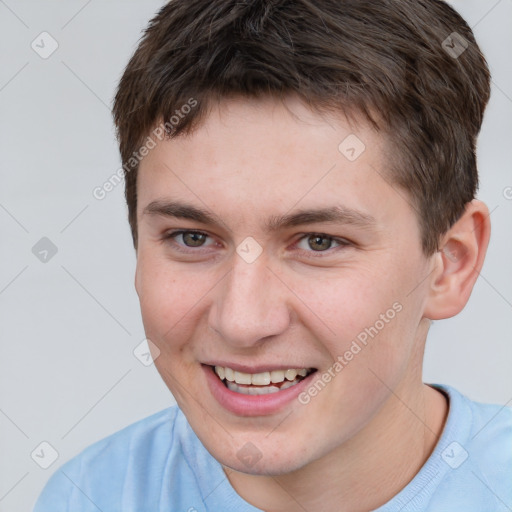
68, 375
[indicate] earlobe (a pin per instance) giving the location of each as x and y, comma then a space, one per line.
459, 261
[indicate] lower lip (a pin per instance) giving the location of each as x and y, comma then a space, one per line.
252, 405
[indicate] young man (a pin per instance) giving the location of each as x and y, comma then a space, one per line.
300, 178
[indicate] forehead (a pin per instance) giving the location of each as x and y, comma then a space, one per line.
264, 156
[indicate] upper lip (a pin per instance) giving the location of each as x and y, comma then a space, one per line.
259, 368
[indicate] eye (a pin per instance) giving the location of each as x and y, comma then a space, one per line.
188, 238
317, 242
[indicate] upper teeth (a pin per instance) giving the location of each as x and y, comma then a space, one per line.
259, 379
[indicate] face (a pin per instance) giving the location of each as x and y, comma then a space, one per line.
274, 248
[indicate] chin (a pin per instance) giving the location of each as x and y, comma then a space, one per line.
260, 457
262, 468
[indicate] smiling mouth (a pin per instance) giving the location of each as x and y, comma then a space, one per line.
261, 383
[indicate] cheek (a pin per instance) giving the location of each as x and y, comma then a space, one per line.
349, 306
170, 299
365, 323
170, 302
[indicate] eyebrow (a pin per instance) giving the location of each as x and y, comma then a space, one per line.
334, 214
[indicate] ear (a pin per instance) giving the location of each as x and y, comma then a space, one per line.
137, 278
458, 262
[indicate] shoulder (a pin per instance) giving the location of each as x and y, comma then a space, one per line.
476, 452
100, 474
144, 438
485, 427
478, 423
491, 421
490, 442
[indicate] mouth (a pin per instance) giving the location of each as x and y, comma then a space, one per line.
262, 383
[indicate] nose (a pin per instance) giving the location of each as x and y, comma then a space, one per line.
250, 305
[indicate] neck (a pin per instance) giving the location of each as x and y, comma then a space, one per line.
366, 471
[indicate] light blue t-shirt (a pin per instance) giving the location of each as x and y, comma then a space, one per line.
159, 465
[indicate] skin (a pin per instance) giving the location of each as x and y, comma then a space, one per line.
367, 433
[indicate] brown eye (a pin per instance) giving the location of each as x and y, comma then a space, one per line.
314, 244
319, 243
193, 239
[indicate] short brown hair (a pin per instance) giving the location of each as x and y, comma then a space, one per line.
396, 62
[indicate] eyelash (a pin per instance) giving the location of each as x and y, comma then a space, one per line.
343, 243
